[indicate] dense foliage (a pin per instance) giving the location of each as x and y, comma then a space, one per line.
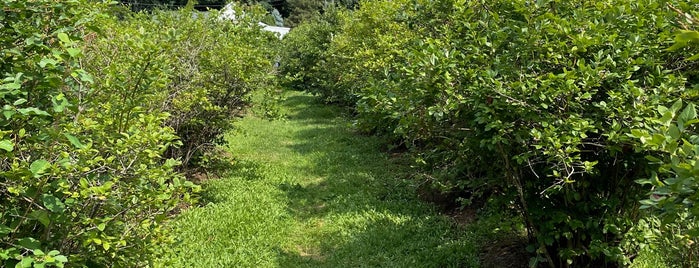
288, 13
296, 12
559, 107
304, 54
208, 80
98, 113
137, 5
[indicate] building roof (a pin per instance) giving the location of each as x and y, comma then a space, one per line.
280, 31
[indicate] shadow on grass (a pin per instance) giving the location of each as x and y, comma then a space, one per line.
310, 109
384, 243
368, 209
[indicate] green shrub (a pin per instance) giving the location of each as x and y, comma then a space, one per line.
671, 143
98, 115
214, 66
209, 65
83, 180
535, 100
303, 55
37, 57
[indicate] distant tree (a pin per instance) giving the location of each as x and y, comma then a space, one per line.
349, 4
173, 4
278, 19
303, 10
283, 12
298, 11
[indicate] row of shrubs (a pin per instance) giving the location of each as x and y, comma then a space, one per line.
102, 111
574, 111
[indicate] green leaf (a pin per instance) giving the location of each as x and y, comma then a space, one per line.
59, 103
73, 140
653, 159
38, 167
4, 230
10, 86
657, 139
8, 113
666, 119
637, 133
61, 258
84, 76
644, 181
647, 202
688, 113
691, 122
64, 38
7, 145
32, 110
687, 36
53, 203
29, 243
676, 106
683, 38
19, 102
25, 263
47, 61
73, 52
674, 132
42, 216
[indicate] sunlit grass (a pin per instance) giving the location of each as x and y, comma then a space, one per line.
308, 192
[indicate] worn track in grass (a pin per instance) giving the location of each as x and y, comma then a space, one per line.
308, 192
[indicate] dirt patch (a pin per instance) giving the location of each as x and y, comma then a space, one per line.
505, 253
463, 217
446, 201
310, 253
198, 177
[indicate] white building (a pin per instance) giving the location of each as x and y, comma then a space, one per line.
228, 13
280, 31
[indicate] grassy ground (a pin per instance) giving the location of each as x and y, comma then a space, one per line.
308, 192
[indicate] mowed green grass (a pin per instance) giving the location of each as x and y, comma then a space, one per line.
308, 192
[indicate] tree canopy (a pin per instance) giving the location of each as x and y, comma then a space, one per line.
292, 12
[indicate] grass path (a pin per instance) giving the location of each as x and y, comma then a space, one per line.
308, 192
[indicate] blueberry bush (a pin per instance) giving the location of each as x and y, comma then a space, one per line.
102, 110
558, 107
